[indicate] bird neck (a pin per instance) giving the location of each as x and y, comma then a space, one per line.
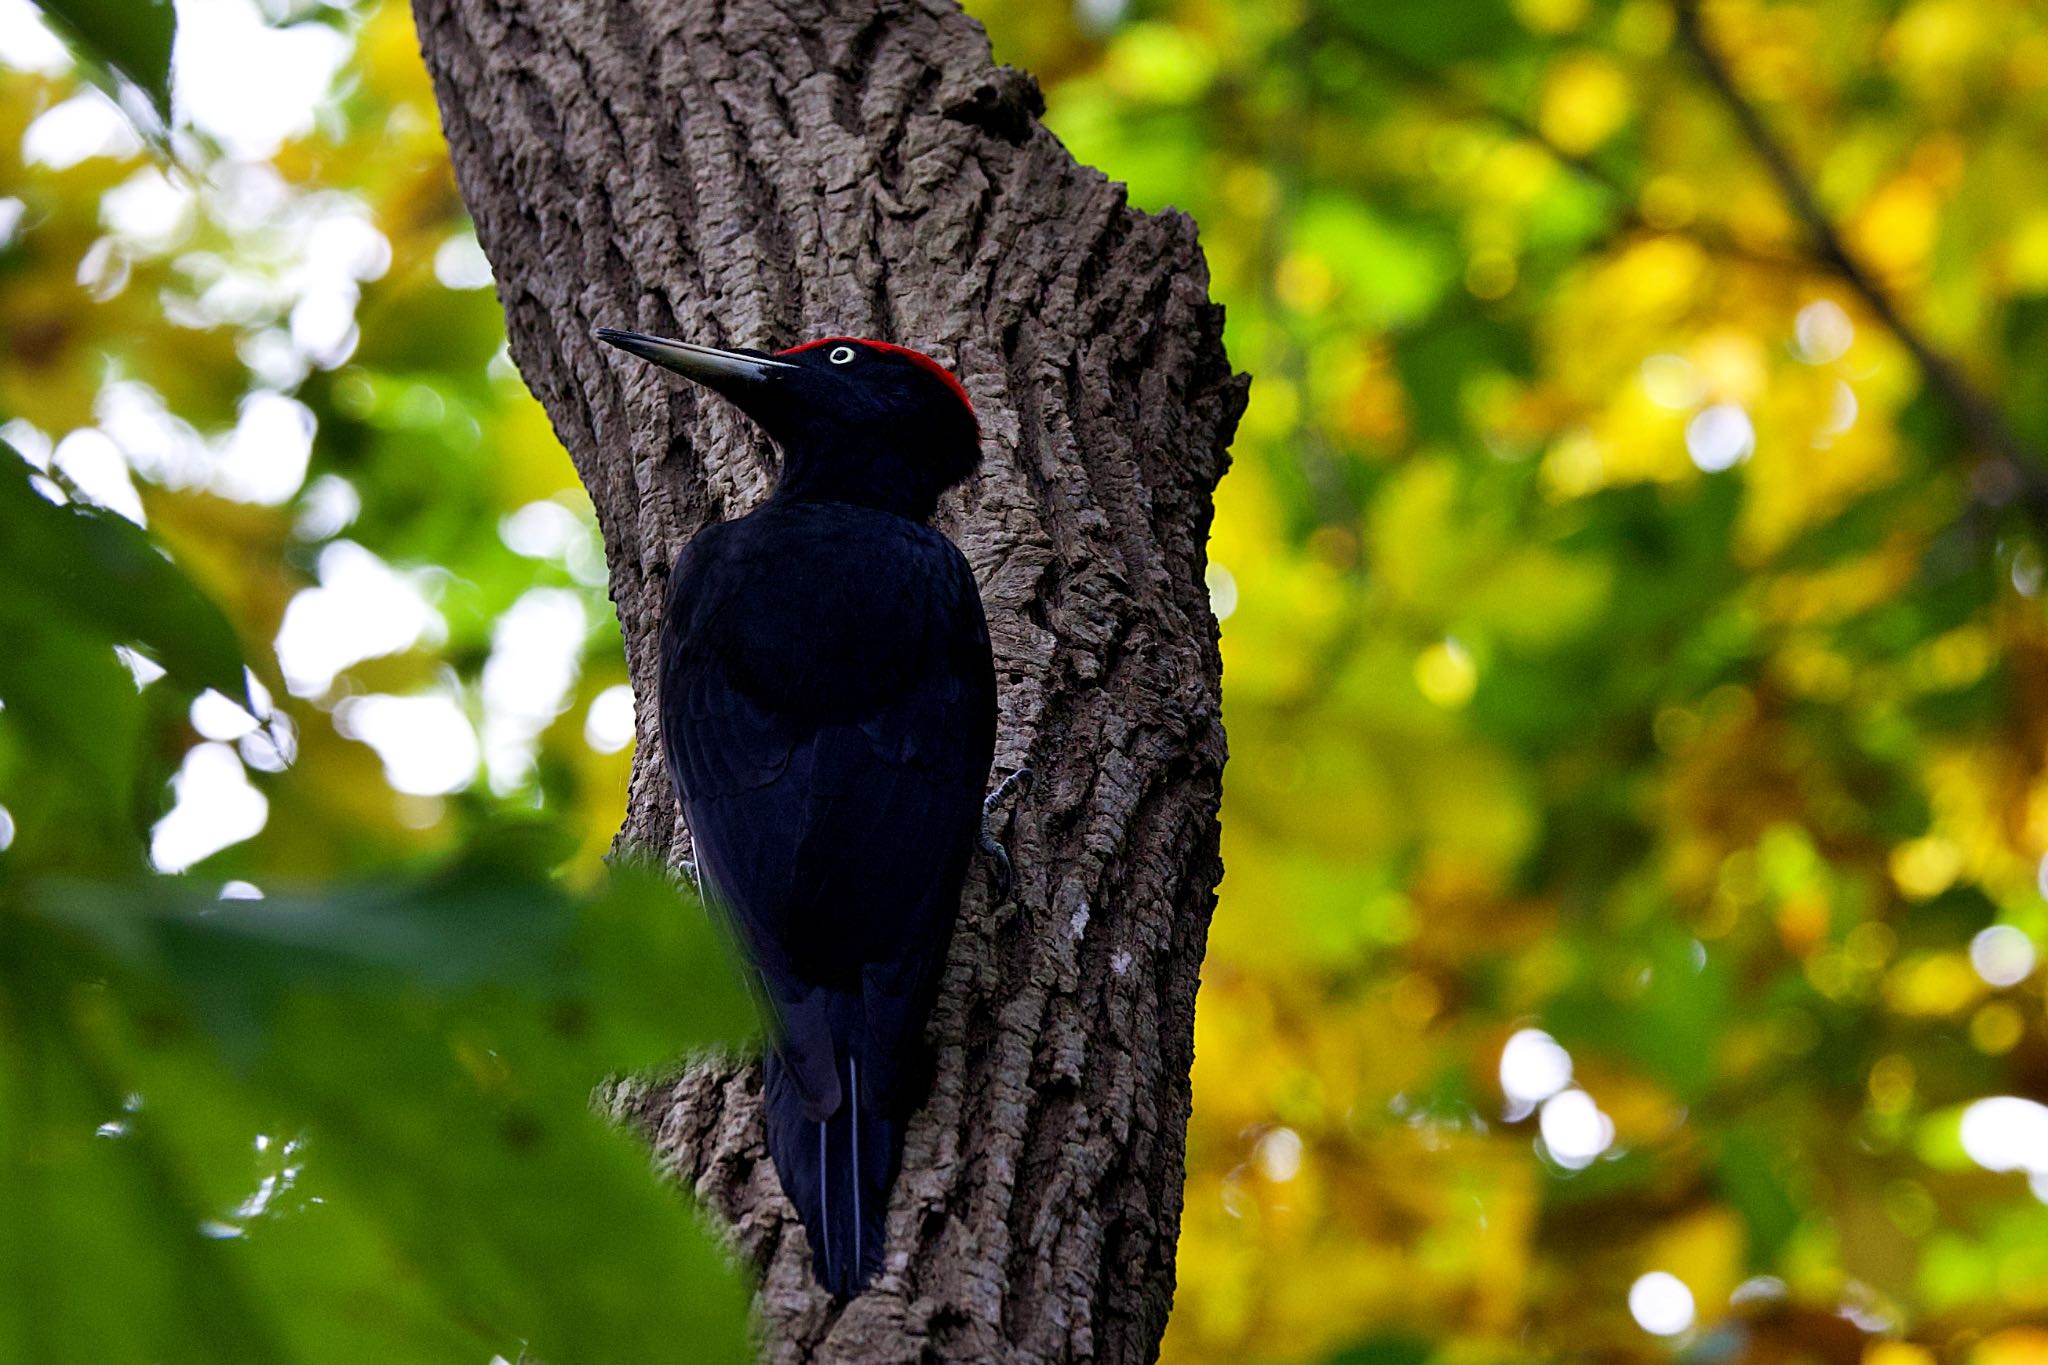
858, 474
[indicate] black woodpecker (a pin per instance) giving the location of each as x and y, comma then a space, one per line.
828, 711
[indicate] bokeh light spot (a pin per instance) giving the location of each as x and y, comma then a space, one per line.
2002, 954
362, 608
1533, 1067
1661, 1304
1574, 1130
1823, 332
1279, 1155
1720, 437
1222, 591
1446, 674
426, 742
608, 727
460, 263
215, 806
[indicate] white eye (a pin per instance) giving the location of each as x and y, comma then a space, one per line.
840, 355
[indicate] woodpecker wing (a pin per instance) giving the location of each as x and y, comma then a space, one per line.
828, 715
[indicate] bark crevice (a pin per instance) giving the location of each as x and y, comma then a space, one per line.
758, 172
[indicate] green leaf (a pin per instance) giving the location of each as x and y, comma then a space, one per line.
73, 703
1663, 1004
132, 37
395, 1156
1748, 1174
1432, 35
1395, 271
98, 575
1391, 1348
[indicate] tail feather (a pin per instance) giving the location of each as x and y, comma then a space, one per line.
836, 1172
853, 1129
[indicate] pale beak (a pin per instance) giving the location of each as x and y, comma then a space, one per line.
706, 364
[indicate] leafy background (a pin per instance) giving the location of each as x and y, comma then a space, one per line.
1635, 674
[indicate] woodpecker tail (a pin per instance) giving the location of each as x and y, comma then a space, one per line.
837, 1171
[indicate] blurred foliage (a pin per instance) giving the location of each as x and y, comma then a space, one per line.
1620, 641
298, 1047
1635, 682
349, 1125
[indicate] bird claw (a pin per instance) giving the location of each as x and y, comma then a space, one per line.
993, 847
1019, 781
680, 873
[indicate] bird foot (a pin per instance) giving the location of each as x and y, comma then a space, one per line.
682, 872
1019, 781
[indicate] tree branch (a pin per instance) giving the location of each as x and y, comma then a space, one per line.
1462, 97
2016, 468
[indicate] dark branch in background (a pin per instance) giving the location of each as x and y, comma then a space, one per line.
1475, 102
1464, 98
2013, 470
2014, 467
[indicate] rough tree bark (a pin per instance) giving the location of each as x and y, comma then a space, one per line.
758, 172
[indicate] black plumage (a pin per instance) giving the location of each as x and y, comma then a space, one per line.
828, 714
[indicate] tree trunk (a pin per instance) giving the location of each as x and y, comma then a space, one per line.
760, 172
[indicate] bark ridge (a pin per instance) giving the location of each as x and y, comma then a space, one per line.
760, 172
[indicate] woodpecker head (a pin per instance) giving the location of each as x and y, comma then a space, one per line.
858, 421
